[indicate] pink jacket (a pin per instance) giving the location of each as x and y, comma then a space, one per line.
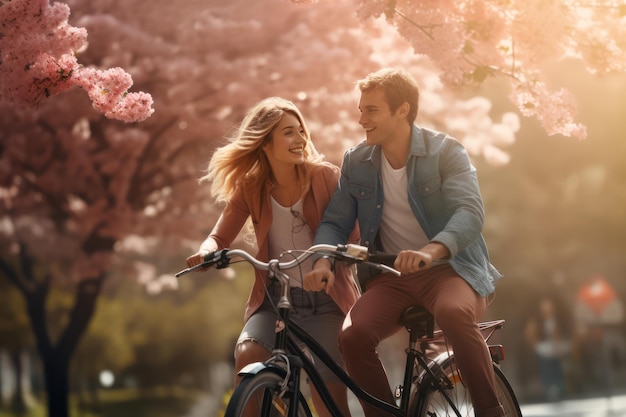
323, 184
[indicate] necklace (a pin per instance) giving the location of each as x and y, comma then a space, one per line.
288, 195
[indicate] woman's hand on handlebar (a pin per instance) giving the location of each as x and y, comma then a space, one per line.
197, 258
320, 278
208, 246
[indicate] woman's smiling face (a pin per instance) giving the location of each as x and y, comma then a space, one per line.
287, 142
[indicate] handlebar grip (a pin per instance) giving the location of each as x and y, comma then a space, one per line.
382, 258
217, 258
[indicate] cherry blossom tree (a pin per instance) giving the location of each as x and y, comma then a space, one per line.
70, 190
473, 40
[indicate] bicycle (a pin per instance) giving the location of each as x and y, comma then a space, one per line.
432, 385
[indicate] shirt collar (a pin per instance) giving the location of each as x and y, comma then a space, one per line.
418, 145
417, 148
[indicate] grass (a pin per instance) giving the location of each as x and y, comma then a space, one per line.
36, 411
138, 407
124, 403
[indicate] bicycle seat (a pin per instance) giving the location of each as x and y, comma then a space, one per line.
418, 321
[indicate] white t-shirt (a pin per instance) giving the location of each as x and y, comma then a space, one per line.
289, 231
399, 229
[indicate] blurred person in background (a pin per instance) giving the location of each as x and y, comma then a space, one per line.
272, 173
545, 332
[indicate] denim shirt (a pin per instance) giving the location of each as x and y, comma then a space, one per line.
443, 193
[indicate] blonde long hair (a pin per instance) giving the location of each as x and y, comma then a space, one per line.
243, 158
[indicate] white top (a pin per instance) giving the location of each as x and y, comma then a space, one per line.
399, 229
551, 346
289, 231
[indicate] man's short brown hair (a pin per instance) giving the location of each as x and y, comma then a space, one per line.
399, 87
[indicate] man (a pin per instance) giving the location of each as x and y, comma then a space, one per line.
414, 192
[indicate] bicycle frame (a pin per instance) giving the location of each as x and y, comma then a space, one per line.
295, 359
288, 347
292, 333
319, 385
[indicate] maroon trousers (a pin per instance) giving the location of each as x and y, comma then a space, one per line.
457, 309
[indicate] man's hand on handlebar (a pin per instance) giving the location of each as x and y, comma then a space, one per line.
320, 278
410, 261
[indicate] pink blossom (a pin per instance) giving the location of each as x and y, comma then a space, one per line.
38, 59
554, 110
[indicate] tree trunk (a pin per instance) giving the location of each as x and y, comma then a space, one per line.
56, 358
18, 402
57, 384
2, 373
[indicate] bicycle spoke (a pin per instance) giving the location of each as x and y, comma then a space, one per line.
433, 403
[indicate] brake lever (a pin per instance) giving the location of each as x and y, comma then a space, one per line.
344, 257
190, 269
382, 267
222, 262
353, 254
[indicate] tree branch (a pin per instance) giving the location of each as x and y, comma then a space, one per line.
11, 275
85, 300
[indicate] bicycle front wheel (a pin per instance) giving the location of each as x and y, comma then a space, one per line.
432, 403
260, 395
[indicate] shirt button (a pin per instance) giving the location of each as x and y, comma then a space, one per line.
377, 206
427, 189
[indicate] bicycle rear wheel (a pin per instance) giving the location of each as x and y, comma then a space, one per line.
431, 403
260, 395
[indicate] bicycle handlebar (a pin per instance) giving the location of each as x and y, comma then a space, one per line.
349, 254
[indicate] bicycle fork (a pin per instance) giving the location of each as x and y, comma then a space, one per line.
295, 388
287, 397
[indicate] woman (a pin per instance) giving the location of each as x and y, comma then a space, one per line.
271, 172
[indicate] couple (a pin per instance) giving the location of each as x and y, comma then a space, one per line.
413, 192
